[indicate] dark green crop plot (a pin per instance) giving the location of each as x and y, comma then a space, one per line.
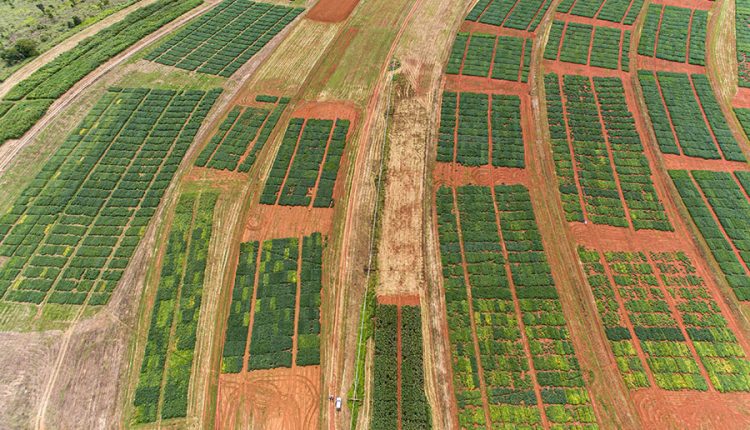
619, 11
677, 26
222, 40
577, 46
486, 55
34, 95
742, 41
516, 14
465, 130
240, 137
170, 347
71, 233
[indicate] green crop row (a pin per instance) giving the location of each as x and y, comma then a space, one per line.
238, 322
385, 369
698, 137
244, 127
508, 57
470, 233
516, 14
619, 11
576, 40
71, 233
223, 39
170, 346
465, 130
677, 26
415, 410
296, 172
31, 98
575, 43
311, 283
742, 41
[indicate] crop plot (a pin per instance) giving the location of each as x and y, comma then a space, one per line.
718, 204
512, 358
674, 34
225, 38
307, 164
486, 55
662, 322
274, 317
742, 41
162, 390
686, 117
476, 128
516, 14
600, 174
572, 43
618, 11
71, 233
29, 100
398, 396
241, 136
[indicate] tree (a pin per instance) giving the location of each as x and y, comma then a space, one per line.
23, 49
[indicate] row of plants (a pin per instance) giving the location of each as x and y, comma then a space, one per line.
311, 283
516, 14
240, 138
385, 369
625, 54
220, 41
415, 409
475, 54
671, 98
469, 231
29, 100
578, 48
576, 40
72, 231
674, 34
618, 11
464, 135
170, 345
742, 41
722, 250
238, 321
631, 164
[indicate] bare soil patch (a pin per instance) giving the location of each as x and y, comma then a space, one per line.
653, 63
661, 409
742, 98
332, 10
399, 300
672, 162
478, 27
276, 399
327, 110
484, 85
265, 222
451, 174
564, 68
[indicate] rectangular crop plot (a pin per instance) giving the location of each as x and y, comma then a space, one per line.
674, 34
170, 345
244, 132
222, 40
686, 117
272, 280
71, 233
516, 14
29, 100
486, 55
476, 128
307, 163
398, 362
572, 43
508, 336
601, 174
718, 204
618, 11
664, 326
742, 41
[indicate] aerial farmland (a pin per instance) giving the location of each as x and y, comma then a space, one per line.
375, 214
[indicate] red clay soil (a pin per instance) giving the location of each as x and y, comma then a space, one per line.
454, 175
674, 162
399, 300
690, 4
742, 98
267, 221
660, 409
332, 10
562, 67
327, 110
657, 64
590, 21
269, 399
484, 85
471, 26
606, 238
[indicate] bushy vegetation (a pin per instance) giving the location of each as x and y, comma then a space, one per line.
221, 41
519, 15
36, 93
311, 283
385, 369
307, 163
507, 57
238, 322
71, 233
244, 127
465, 130
170, 346
677, 25
505, 262
577, 47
